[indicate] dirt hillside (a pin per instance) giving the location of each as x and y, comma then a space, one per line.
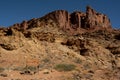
61, 46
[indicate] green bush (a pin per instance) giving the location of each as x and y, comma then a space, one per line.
65, 67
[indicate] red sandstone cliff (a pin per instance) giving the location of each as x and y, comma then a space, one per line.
74, 23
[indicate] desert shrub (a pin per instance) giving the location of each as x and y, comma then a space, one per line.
3, 75
86, 66
30, 68
27, 72
18, 68
1, 69
78, 61
65, 67
46, 60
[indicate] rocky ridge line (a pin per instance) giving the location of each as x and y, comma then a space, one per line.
74, 23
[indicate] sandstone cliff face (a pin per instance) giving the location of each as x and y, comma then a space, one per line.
77, 20
94, 19
61, 16
74, 23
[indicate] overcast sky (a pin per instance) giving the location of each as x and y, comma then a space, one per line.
15, 11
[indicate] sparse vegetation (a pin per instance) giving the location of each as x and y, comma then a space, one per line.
3, 75
30, 68
87, 66
78, 61
58, 47
1, 69
46, 60
65, 67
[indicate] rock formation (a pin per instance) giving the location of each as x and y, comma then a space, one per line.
77, 20
53, 48
94, 19
74, 23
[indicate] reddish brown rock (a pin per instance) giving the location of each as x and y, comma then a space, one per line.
74, 23
77, 21
96, 20
61, 17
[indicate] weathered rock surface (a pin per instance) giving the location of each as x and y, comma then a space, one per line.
72, 23
58, 39
95, 19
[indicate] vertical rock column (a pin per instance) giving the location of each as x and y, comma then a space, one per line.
96, 20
